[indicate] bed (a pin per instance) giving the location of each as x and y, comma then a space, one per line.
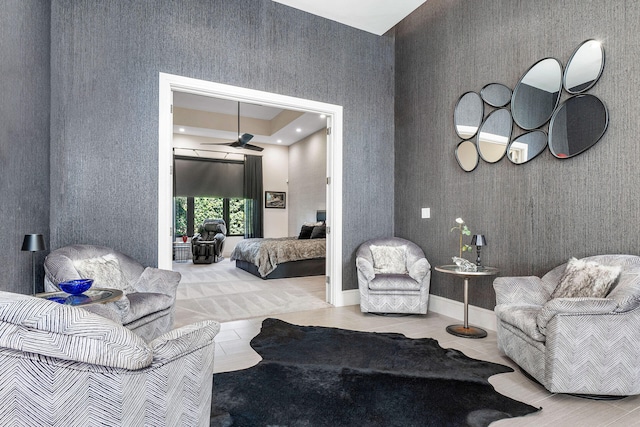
277, 258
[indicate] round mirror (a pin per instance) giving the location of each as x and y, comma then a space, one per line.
584, 67
494, 135
468, 114
537, 94
527, 146
467, 155
496, 94
577, 125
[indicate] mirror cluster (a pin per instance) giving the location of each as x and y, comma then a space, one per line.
575, 125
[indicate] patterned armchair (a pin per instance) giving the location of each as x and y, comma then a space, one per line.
62, 365
147, 305
393, 276
588, 346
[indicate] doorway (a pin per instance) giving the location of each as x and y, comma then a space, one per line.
170, 83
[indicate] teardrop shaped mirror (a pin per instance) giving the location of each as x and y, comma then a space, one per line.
467, 155
577, 125
536, 95
494, 135
527, 146
468, 114
584, 67
496, 94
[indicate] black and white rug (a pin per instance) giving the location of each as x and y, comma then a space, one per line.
317, 376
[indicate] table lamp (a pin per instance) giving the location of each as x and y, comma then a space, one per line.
479, 241
33, 243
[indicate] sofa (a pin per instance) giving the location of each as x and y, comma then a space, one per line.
577, 345
149, 294
64, 366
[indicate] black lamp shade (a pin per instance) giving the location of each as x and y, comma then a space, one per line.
33, 243
478, 240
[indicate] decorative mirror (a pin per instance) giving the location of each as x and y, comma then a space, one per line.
494, 135
467, 155
527, 146
468, 115
584, 67
537, 94
577, 125
496, 94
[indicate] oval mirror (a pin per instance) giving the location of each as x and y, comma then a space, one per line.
577, 125
584, 67
468, 114
467, 155
537, 94
527, 146
496, 94
494, 135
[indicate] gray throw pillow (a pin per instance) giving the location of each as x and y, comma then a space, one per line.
105, 272
586, 279
389, 259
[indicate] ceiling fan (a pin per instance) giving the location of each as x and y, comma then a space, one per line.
241, 142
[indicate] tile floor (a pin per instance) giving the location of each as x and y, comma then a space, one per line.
233, 353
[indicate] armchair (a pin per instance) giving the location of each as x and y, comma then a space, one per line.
61, 365
584, 345
147, 305
393, 276
208, 243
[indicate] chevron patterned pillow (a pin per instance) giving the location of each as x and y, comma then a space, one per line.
586, 279
389, 259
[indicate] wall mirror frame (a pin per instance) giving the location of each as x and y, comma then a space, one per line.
527, 147
537, 94
584, 67
468, 114
467, 155
494, 135
496, 95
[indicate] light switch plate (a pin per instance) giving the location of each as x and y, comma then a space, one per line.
426, 212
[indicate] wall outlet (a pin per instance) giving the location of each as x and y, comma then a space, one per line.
426, 212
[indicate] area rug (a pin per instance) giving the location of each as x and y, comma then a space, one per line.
318, 376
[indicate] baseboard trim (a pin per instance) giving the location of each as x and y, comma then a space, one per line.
348, 297
477, 316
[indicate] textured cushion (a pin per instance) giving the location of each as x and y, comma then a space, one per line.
145, 303
389, 259
319, 232
523, 317
586, 279
305, 232
393, 282
105, 272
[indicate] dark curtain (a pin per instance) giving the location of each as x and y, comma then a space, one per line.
253, 221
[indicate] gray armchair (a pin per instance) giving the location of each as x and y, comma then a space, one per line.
147, 305
61, 365
588, 346
393, 276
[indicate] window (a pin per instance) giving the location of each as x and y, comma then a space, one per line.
190, 212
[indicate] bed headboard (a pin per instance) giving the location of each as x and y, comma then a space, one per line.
321, 216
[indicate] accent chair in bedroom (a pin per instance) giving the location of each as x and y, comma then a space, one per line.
208, 243
587, 345
393, 276
62, 365
149, 294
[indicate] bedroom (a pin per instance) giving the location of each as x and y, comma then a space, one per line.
294, 145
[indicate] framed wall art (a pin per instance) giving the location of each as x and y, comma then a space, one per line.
275, 199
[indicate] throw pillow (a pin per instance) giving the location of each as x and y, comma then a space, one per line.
319, 232
105, 272
305, 232
389, 259
586, 279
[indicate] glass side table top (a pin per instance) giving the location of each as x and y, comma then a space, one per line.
90, 296
454, 269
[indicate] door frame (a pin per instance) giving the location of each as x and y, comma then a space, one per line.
170, 83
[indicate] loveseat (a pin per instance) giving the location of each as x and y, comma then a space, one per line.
63, 366
147, 305
577, 345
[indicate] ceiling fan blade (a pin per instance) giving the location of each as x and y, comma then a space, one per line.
244, 138
252, 147
218, 143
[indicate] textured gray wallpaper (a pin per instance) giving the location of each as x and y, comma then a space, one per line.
106, 57
24, 137
535, 216
307, 180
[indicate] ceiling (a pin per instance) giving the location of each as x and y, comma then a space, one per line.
374, 16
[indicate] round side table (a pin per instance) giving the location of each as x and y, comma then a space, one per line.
465, 330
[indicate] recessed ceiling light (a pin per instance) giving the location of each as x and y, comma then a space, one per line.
323, 116
298, 130
279, 141
181, 129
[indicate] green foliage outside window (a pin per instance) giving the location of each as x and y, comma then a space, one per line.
210, 207
180, 209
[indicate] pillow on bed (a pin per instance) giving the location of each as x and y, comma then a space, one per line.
319, 232
305, 232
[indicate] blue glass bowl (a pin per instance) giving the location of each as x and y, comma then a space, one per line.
75, 287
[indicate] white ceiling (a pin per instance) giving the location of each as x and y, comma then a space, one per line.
374, 16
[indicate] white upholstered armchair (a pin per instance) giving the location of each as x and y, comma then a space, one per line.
64, 366
578, 345
393, 276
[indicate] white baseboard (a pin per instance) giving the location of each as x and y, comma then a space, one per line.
348, 297
477, 316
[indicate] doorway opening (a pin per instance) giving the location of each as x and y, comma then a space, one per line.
172, 83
